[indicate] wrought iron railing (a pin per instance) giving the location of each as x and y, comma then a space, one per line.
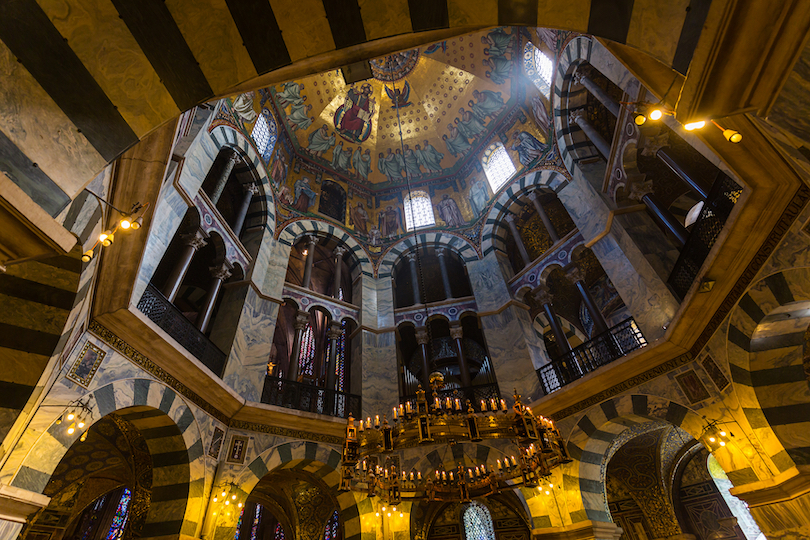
305, 397
603, 349
710, 222
475, 393
164, 314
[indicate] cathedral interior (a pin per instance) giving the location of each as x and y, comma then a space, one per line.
431, 269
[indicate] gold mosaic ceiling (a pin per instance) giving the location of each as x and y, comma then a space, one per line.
465, 82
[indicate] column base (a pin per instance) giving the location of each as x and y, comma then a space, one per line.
780, 505
584, 530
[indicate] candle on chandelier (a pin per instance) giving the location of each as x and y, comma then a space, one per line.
514, 462
395, 413
458, 404
503, 405
419, 475
493, 404
444, 476
437, 403
404, 476
401, 410
377, 421
408, 407
365, 466
368, 422
411, 476
438, 475
448, 404
500, 466
478, 472
469, 473
361, 424
483, 406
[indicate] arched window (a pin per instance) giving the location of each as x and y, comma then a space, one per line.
418, 211
498, 166
264, 134
119, 521
279, 532
478, 523
738, 507
239, 524
306, 352
332, 530
257, 519
538, 68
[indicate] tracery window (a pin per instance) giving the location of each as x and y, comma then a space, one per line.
306, 352
418, 211
278, 534
119, 521
332, 530
538, 67
478, 523
498, 166
257, 518
264, 134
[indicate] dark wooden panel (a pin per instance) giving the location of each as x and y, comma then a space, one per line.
428, 14
160, 39
696, 15
38, 45
345, 21
517, 12
260, 33
610, 19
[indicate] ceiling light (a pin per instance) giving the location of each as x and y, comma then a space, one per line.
692, 126
125, 223
639, 119
656, 114
87, 255
137, 224
732, 136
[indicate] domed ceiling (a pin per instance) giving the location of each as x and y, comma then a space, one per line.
446, 97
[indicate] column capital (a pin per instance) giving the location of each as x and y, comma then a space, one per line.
579, 77
574, 273
335, 330
232, 157
301, 320
576, 116
421, 335
251, 188
221, 271
195, 239
509, 218
543, 295
441, 252
533, 196
639, 187
310, 240
340, 251
456, 332
411, 256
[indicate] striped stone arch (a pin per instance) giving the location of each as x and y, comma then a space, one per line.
571, 141
773, 390
294, 230
316, 302
321, 461
224, 136
590, 441
175, 443
491, 236
462, 246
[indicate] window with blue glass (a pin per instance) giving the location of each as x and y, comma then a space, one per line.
119, 521
478, 523
332, 530
265, 133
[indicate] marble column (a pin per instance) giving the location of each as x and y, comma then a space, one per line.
580, 118
552, 232
250, 191
642, 190
457, 333
224, 174
191, 244
596, 91
510, 221
333, 335
219, 274
339, 252
301, 320
311, 242
422, 340
577, 277
441, 253
666, 155
417, 298
543, 296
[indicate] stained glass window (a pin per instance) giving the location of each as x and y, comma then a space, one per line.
306, 354
332, 531
90, 517
478, 523
257, 519
264, 134
340, 367
538, 67
239, 524
279, 532
737, 506
498, 166
418, 211
119, 521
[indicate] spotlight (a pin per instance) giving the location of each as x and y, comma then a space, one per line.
233, 497
103, 236
692, 126
71, 429
378, 514
108, 240
125, 223
656, 114
137, 224
81, 423
227, 503
732, 136
722, 443
59, 420
71, 416
639, 119
87, 255
722, 433
239, 505
215, 499
223, 494
83, 437
401, 515
712, 439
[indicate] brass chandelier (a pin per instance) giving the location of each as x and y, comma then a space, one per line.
371, 466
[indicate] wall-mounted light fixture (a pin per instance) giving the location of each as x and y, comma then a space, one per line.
132, 220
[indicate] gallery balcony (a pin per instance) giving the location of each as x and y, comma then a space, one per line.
309, 398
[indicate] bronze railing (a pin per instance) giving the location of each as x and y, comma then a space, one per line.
306, 397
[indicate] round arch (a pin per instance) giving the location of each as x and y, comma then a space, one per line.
147, 405
295, 229
455, 242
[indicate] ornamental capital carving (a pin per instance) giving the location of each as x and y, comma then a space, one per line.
509, 218
301, 320
456, 332
232, 158
411, 257
639, 187
533, 196
574, 273
577, 116
441, 252
195, 240
335, 330
421, 335
251, 188
221, 271
340, 251
579, 77
310, 240
543, 295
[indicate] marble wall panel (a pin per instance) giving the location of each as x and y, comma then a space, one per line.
367, 301
272, 281
488, 283
198, 160
380, 389
385, 302
506, 335
642, 290
250, 351
610, 67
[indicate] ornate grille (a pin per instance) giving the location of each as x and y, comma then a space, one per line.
603, 349
418, 211
264, 134
163, 313
724, 194
340, 368
478, 523
538, 67
498, 166
305, 397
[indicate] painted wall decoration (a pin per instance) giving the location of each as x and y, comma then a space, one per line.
692, 387
238, 450
86, 365
715, 373
216, 443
